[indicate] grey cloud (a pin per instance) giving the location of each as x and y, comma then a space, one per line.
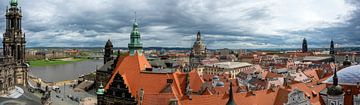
164, 23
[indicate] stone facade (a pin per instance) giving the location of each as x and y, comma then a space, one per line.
334, 100
231, 68
13, 67
356, 99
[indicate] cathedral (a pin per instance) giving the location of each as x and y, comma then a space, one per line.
13, 67
198, 51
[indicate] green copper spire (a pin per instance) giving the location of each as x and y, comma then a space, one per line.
135, 44
13, 3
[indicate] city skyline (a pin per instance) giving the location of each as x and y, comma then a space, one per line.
231, 24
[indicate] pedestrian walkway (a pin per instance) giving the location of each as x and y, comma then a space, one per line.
16, 93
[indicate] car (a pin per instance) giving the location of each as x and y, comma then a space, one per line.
77, 99
55, 88
69, 96
57, 96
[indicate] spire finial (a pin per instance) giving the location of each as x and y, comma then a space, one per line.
231, 97
335, 79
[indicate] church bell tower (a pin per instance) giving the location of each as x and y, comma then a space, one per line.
14, 42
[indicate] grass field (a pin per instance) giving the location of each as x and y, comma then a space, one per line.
39, 63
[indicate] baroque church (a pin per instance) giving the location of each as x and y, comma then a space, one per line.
198, 52
13, 66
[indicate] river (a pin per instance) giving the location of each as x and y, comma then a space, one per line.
56, 73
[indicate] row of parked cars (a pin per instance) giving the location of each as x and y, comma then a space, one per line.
73, 98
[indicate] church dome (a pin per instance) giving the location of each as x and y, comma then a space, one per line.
347, 76
335, 90
220, 84
216, 78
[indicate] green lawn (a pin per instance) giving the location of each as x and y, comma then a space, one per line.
39, 63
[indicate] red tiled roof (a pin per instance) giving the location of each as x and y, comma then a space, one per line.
267, 74
131, 68
312, 74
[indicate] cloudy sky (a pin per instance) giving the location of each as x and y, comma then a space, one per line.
174, 23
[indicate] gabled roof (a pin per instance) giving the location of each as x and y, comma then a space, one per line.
268, 74
132, 68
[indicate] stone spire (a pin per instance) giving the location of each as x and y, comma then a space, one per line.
335, 89
108, 51
231, 96
304, 46
14, 44
332, 49
198, 36
335, 78
135, 45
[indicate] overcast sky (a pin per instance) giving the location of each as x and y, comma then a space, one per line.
174, 23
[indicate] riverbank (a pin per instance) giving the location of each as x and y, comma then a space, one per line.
40, 63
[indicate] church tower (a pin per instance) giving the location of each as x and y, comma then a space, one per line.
108, 52
135, 45
14, 42
332, 48
304, 46
198, 52
332, 51
334, 93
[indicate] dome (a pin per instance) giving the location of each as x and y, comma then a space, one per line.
220, 84
335, 90
347, 76
216, 78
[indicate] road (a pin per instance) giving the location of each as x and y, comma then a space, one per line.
68, 91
